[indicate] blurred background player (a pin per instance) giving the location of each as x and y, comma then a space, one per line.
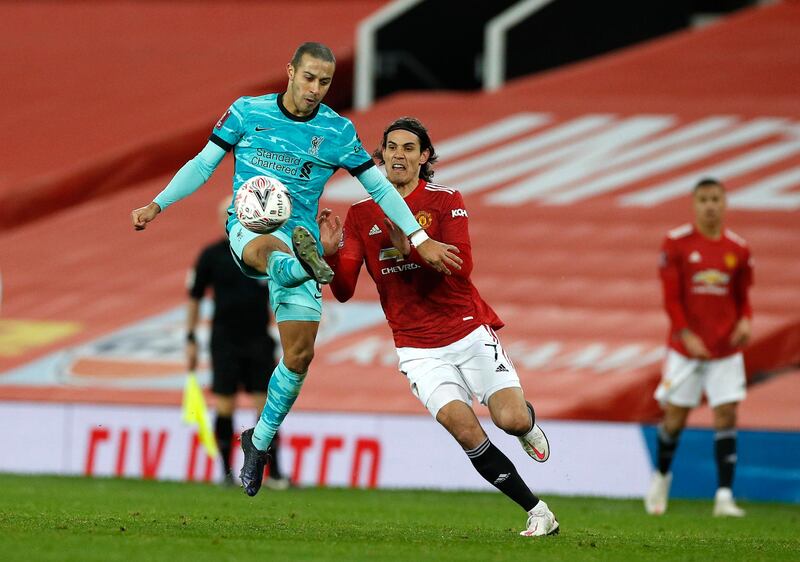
443, 330
706, 272
295, 138
242, 348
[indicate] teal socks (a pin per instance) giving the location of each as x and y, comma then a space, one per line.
284, 386
286, 270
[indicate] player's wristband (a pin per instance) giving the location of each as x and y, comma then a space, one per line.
190, 337
418, 237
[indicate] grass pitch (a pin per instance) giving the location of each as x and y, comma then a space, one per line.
58, 518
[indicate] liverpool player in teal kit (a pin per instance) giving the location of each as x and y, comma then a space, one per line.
301, 142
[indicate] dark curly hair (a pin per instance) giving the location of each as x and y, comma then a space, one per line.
414, 126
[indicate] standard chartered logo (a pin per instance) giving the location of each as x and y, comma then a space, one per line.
277, 161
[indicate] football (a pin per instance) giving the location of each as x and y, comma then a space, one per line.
262, 204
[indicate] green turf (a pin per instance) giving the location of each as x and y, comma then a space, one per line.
57, 518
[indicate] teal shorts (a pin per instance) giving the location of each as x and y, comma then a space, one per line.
303, 303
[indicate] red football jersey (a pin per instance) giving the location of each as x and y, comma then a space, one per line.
424, 308
705, 286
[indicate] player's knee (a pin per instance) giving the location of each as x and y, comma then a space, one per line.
464, 428
225, 405
298, 360
467, 435
513, 421
673, 427
255, 257
674, 419
725, 416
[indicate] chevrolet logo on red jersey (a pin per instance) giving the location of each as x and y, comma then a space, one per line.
390, 254
711, 277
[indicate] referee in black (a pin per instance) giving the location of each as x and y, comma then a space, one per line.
242, 349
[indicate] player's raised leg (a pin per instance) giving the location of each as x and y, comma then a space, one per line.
268, 255
516, 416
535, 442
307, 252
489, 372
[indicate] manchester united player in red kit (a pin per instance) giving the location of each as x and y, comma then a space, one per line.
443, 330
706, 272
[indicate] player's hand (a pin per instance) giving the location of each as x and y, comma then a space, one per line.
398, 237
741, 333
330, 232
441, 257
191, 355
143, 215
694, 345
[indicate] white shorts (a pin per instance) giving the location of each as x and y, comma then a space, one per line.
684, 380
474, 366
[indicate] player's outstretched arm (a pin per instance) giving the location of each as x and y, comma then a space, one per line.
144, 215
402, 243
441, 257
186, 181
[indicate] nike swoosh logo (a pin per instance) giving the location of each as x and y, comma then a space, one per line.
536, 452
259, 129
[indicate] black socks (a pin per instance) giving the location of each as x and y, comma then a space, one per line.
666, 449
498, 470
725, 453
223, 431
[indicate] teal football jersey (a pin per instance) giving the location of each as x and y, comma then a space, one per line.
301, 152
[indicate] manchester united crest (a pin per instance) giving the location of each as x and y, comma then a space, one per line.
424, 218
730, 260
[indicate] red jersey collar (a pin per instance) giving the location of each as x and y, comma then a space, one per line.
420, 187
697, 232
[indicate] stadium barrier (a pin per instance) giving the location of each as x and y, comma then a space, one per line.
382, 451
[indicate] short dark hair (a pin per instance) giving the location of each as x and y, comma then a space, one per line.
708, 182
316, 50
413, 126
